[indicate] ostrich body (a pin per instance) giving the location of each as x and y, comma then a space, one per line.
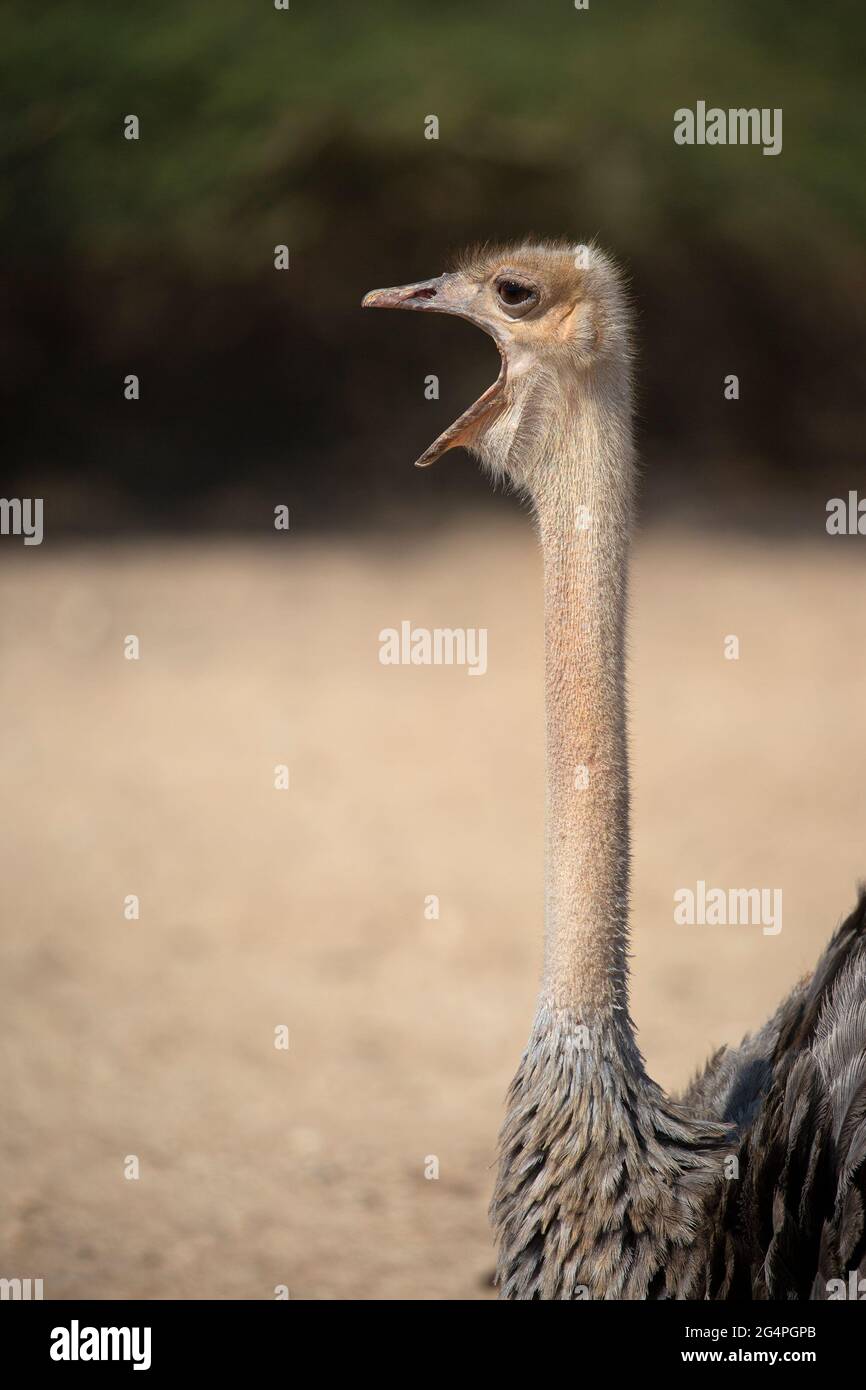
607, 1187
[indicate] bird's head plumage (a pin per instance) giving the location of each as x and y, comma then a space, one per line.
556, 311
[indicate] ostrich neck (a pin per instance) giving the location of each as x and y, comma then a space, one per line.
605, 1185
584, 505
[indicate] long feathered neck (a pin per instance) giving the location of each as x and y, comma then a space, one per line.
603, 1180
582, 487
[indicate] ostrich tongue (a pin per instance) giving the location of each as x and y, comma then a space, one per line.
443, 295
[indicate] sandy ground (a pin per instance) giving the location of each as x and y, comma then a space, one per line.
305, 907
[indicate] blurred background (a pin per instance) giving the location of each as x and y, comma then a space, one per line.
262, 387
306, 128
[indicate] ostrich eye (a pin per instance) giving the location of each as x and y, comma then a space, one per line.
512, 293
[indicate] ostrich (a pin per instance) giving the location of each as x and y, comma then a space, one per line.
752, 1185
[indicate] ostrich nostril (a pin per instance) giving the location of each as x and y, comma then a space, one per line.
427, 293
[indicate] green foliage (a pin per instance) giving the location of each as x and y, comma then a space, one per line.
238, 101
306, 127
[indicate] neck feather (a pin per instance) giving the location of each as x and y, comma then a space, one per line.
582, 487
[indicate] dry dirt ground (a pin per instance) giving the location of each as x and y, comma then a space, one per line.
305, 907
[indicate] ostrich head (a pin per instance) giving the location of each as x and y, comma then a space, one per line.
558, 316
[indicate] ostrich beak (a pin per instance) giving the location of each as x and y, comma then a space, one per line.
418, 296
449, 294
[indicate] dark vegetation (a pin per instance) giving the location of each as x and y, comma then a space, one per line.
306, 128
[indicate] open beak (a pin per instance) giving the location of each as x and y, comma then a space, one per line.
448, 294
